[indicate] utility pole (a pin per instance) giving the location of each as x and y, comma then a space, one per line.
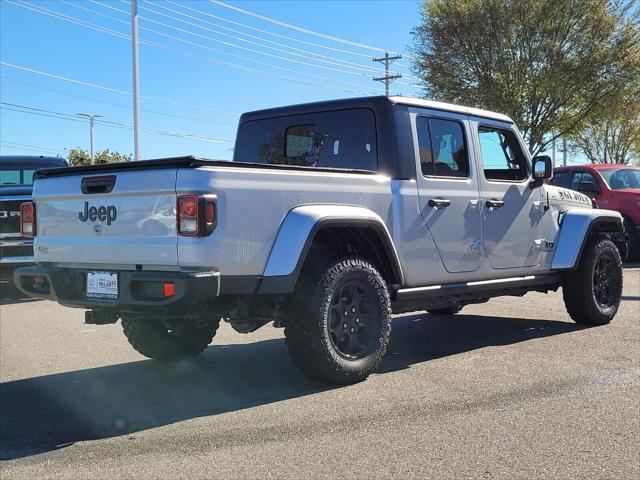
388, 78
136, 89
564, 152
553, 151
90, 116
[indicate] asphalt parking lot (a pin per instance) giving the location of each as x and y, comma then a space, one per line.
509, 389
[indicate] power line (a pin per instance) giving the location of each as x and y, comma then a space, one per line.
249, 50
230, 44
119, 105
303, 54
115, 33
267, 32
114, 90
233, 45
23, 146
70, 117
332, 61
296, 28
311, 32
307, 31
345, 63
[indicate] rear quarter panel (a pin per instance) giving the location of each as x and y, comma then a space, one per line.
252, 204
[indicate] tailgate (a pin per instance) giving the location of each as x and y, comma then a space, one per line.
119, 218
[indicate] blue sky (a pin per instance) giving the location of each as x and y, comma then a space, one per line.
39, 42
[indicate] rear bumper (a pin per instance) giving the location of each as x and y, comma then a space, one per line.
137, 290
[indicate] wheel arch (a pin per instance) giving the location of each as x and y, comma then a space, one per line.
336, 230
577, 227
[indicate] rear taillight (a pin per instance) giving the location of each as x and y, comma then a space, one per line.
196, 215
28, 219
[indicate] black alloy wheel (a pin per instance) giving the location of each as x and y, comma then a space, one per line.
353, 322
606, 287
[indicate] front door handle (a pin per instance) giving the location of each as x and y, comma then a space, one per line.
494, 204
439, 203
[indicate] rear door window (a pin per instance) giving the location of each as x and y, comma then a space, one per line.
344, 139
443, 151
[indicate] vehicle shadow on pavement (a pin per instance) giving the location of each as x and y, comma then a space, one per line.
46, 413
10, 295
418, 338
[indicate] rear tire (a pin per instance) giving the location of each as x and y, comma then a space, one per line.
339, 322
445, 311
592, 291
153, 339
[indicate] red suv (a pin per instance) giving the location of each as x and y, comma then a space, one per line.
614, 187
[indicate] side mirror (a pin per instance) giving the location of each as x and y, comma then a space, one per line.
542, 167
588, 187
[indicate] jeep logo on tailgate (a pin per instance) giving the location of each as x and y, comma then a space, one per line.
102, 213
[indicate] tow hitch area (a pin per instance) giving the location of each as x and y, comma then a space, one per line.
99, 317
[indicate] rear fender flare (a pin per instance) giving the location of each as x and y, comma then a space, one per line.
298, 231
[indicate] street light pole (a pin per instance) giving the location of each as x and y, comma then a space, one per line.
136, 91
90, 116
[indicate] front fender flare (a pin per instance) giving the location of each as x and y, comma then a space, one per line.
297, 232
576, 227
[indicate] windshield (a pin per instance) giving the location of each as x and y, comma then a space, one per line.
621, 178
14, 176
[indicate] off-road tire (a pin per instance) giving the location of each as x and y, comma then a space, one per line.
153, 339
579, 287
309, 334
445, 311
633, 250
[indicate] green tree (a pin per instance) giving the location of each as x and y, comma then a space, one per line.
78, 156
551, 65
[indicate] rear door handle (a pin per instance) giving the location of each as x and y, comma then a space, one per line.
494, 204
439, 203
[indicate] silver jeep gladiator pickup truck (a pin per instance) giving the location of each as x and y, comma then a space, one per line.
331, 216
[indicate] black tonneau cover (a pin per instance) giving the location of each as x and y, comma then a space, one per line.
179, 162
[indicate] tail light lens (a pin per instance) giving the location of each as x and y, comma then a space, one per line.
196, 215
28, 219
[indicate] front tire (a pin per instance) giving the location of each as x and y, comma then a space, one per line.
592, 292
154, 339
340, 322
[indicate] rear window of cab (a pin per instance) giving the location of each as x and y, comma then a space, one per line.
343, 139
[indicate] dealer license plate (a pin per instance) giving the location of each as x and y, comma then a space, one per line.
102, 285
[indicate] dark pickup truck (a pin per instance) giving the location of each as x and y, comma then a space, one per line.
16, 184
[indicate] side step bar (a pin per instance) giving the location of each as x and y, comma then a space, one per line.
470, 292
